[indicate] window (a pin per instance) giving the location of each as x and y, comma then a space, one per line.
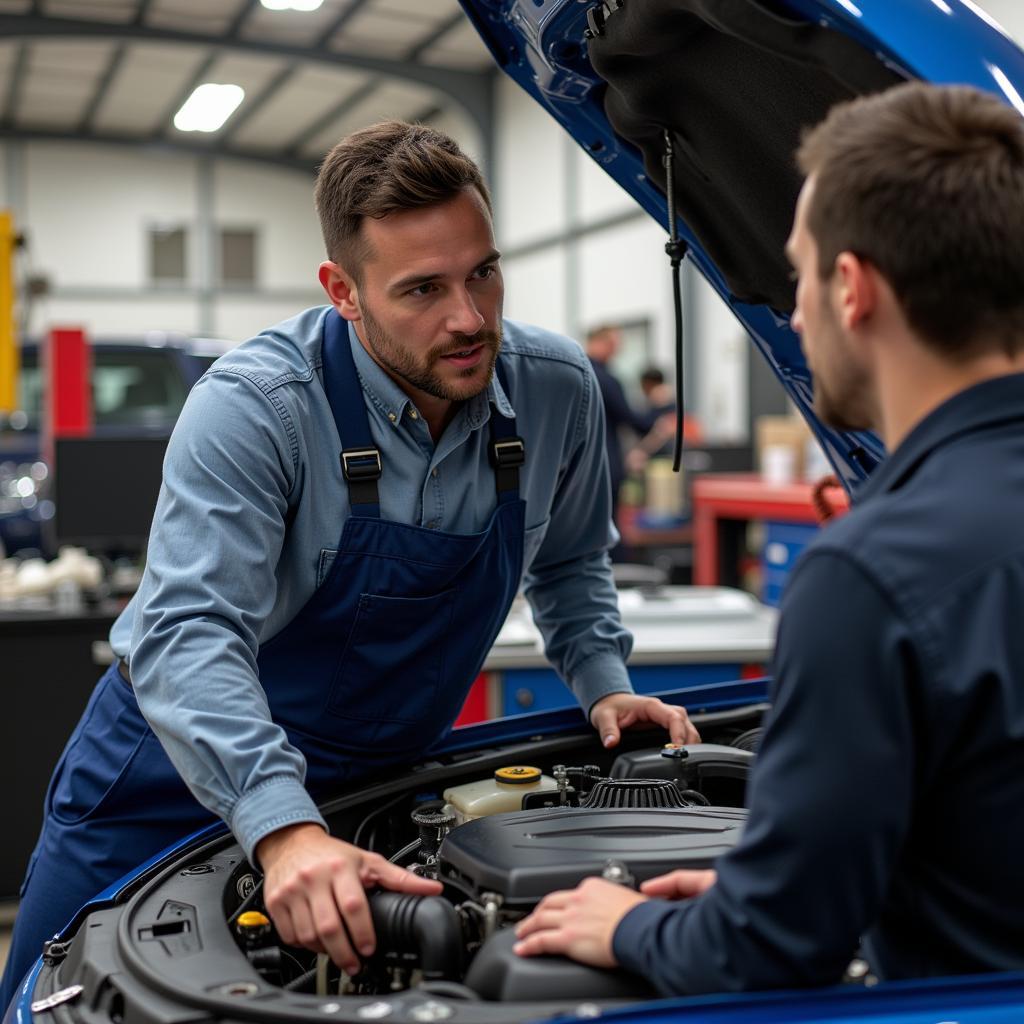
238, 257
167, 262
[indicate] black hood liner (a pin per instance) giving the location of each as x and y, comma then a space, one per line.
736, 83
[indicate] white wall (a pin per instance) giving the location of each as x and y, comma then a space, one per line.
87, 211
546, 185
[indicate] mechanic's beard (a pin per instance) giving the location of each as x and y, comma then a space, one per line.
422, 375
842, 392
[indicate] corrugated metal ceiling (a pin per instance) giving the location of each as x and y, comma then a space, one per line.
119, 69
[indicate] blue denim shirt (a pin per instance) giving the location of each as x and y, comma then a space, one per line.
249, 517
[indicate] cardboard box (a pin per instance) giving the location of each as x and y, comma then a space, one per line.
780, 447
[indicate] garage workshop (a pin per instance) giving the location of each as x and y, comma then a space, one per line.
510, 510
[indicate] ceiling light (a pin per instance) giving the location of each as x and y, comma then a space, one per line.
291, 5
208, 107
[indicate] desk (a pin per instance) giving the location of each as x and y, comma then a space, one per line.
723, 505
683, 636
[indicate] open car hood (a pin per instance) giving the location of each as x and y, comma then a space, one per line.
735, 82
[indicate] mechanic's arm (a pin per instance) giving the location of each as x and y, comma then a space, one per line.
208, 587
830, 802
571, 592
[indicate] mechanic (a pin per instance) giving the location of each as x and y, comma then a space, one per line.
602, 343
307, 619
886, 798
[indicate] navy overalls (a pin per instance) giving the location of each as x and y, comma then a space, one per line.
372, 671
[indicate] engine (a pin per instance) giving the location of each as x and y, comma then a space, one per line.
654, 811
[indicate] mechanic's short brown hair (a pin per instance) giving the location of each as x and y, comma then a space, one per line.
381, 169
927, 183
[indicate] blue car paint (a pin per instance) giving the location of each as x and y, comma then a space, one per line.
540, 45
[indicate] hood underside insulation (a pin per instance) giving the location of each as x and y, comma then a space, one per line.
735, 82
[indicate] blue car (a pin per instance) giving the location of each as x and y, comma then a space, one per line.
182, 938
139, 384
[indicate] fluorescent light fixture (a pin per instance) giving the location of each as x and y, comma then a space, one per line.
943, 6
1008, 88
208, 107
291, 5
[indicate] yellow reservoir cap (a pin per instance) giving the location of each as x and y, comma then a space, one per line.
252, 919
517, 775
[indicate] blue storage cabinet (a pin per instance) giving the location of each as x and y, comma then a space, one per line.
783, 545
539, 689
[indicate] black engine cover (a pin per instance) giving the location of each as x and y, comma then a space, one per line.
525, 855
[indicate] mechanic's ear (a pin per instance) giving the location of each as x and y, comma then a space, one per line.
855, 290
341, 290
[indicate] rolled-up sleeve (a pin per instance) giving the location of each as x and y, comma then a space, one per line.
208, 587
569, 584
830, 803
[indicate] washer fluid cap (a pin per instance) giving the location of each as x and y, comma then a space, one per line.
517, 775
252, 919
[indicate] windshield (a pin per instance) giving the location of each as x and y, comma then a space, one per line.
129, 387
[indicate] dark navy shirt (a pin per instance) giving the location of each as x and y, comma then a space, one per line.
618, 413
888, 797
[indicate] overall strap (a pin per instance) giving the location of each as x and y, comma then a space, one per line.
360, 458
506, 449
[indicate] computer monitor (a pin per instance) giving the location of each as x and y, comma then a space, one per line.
105, 490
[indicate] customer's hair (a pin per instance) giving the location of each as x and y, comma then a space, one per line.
381, 169
927, 184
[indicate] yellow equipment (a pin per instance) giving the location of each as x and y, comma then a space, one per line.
9, 362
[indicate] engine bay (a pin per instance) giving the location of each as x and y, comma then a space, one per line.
499, 828
649, 812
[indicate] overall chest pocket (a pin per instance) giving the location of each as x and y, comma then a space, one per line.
392, 668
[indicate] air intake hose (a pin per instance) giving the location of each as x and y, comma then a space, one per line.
427, 926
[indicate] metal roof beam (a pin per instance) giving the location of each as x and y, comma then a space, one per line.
103, 87
200, 76
325, 120
251, 107
436, 36
342, 20
17, 80
159, 146
241, 18
455, 82
350, 103
472, 91
142, 11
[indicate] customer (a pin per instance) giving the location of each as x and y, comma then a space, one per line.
886, 799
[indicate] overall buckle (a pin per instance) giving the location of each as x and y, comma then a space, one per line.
361, 464
508, 454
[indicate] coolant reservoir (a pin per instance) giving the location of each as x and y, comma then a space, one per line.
503, 792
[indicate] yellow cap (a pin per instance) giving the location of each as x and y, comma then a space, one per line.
673, 746
252, 919
517, 775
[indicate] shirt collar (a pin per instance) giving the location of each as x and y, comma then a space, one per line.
984, 405
392, 400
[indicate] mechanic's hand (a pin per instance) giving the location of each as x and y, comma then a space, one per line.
679, 885
579, 922
619, 711
314, 890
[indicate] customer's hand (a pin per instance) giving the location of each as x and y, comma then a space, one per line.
618, 711
579, 922
314, 890
679, 885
